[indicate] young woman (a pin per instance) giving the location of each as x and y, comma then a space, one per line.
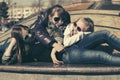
77, 30
74, 33
17, 51
80, 47
49, 29
51, 23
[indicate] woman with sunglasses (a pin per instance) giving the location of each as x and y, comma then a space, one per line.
80, 41
49, 28
77, 30
73, 33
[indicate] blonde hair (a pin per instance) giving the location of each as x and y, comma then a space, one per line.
88, 21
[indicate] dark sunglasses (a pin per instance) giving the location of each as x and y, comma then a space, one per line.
78, 28
56, 19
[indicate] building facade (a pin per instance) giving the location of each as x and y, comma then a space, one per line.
17, 13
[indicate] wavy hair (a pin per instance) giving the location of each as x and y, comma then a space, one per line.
19, 47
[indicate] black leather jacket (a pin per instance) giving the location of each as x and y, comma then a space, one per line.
41, 33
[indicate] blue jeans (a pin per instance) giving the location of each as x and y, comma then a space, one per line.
81, 52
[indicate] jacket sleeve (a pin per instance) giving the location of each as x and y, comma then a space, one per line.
41, 33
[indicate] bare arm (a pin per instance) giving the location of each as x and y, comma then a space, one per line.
9, 49
53, 55
58, 47
71, 35
7, 54
69, 40
54, 59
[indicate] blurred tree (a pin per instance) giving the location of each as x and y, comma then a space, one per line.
37, 4
3, 10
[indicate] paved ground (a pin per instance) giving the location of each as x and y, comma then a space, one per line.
50, 72
25, 76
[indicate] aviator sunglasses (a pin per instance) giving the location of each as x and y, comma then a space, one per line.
78, 27
57, 19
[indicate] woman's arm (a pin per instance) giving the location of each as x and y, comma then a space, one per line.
7, 53
69, 40
53, 54
9, 49
54, 59
71, 35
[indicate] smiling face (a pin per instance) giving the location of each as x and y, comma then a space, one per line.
56, 19
82, 24
56, 16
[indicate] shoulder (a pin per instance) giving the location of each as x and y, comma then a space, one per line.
13, 40
42, 18
68, 29
70, 26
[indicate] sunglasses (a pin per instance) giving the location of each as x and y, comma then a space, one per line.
78, 27
57, 19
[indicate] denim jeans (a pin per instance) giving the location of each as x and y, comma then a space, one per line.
81, 52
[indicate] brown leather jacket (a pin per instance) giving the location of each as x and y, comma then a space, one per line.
41, 33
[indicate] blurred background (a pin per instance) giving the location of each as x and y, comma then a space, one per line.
13, 11
104, 13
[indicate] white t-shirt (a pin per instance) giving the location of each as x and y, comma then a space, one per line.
70, 39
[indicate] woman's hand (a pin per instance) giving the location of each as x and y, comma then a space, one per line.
58, 47
57, 62
54, 59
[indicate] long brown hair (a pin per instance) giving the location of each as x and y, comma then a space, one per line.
19, 47
61, 12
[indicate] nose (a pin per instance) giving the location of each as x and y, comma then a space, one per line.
60, 21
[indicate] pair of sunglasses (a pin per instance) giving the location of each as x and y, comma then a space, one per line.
57, 19
78, 27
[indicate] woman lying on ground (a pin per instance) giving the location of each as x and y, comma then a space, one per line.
86, 28
17, 51
79, 44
